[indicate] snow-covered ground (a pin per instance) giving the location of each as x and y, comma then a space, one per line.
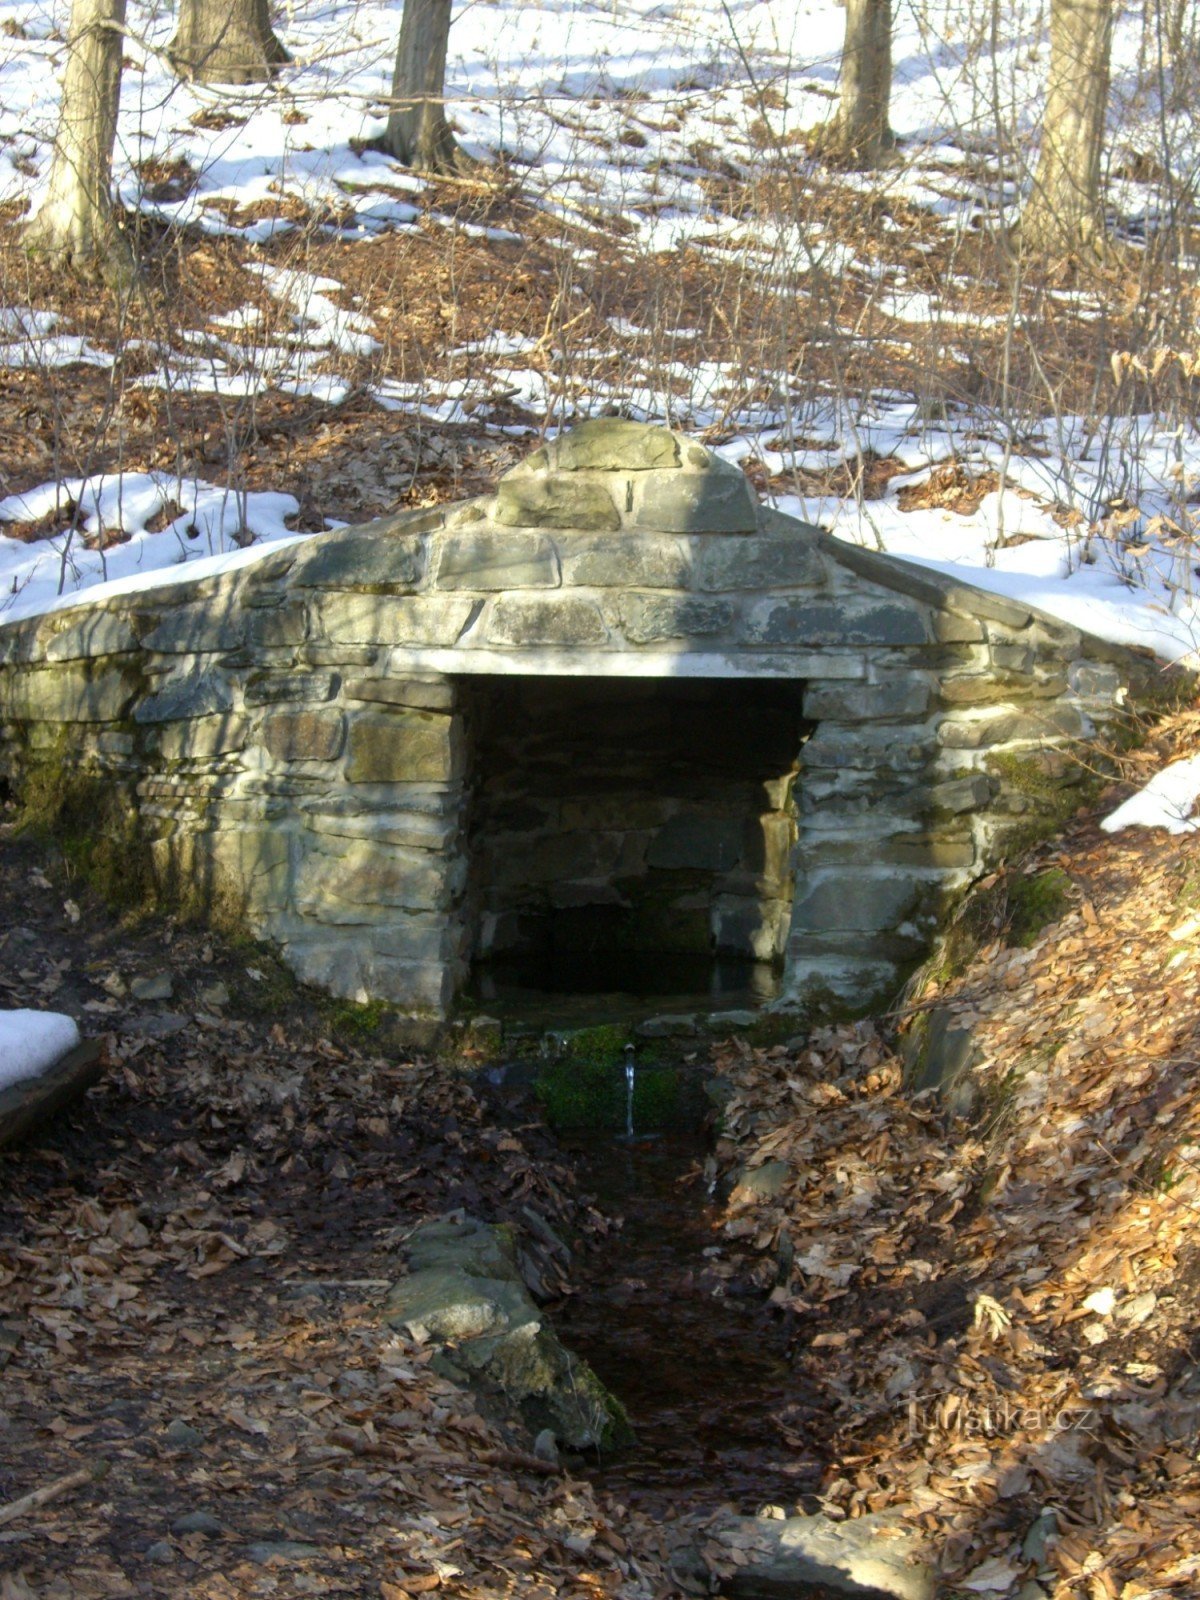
618, 113
1166, 801
31, 1042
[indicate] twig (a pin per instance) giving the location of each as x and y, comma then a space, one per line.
521, 1460
36, 1498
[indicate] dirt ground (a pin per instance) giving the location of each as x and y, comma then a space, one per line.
191, 1263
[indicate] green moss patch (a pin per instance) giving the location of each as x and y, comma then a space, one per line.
1034, 902
93, 823
354, 1022
584, 1089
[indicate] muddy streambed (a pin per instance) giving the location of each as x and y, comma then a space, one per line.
699, 1365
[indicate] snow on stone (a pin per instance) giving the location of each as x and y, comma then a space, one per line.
1167, 801
31, 1042
216, 529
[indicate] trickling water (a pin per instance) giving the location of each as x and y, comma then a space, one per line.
630, 1084
699, 1359
721, 1416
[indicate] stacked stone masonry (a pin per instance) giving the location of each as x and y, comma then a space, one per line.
298, 737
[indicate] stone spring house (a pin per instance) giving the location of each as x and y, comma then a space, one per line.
618, 700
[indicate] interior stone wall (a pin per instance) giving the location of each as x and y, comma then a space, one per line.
645, 816
294, 738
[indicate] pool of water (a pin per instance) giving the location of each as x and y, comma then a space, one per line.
581, 988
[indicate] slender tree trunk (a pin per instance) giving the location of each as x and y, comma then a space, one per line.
226, 41
860, 135
417, 131
1175, 29
77, 221
1063, 214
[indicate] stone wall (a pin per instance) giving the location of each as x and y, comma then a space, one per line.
295, 742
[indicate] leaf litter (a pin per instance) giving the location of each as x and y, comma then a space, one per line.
191, 1265
1001, 1309
998, 1312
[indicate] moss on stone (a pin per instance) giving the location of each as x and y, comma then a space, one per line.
354, 1021
91, 819
1034, 902
1031, 776
603, 1045
777, 1027
585, 1089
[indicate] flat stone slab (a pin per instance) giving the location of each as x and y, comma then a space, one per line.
792, 1558
54, 1070
490, 561
379, 562
526, 501
719, 500
612, 444
464, 1292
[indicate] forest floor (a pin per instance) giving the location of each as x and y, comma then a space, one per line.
1000, 1311
192, 1263
997, 1313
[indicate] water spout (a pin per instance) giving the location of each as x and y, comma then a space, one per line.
630, 1080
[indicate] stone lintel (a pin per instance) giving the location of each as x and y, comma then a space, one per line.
542, 661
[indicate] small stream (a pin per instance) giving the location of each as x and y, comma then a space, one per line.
701, 1368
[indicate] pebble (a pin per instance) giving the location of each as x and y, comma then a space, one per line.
265, 1550
1042, 1530
182, 1433
667, 1027
197, 1522
160, 1551
158, 986
163, 1026
214, 996
760, 1183
731, 1019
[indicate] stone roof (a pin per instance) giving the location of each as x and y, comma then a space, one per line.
607, 475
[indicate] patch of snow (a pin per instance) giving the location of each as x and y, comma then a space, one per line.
1167, 801
318, 323
31, 1042
216, 530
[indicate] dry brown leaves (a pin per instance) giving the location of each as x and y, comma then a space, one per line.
949, 487
1002, 1314
191, 1266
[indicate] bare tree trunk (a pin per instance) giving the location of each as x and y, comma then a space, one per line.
1063, 214
1175, 28
77, 221
860, 135
226, 41
417, 131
